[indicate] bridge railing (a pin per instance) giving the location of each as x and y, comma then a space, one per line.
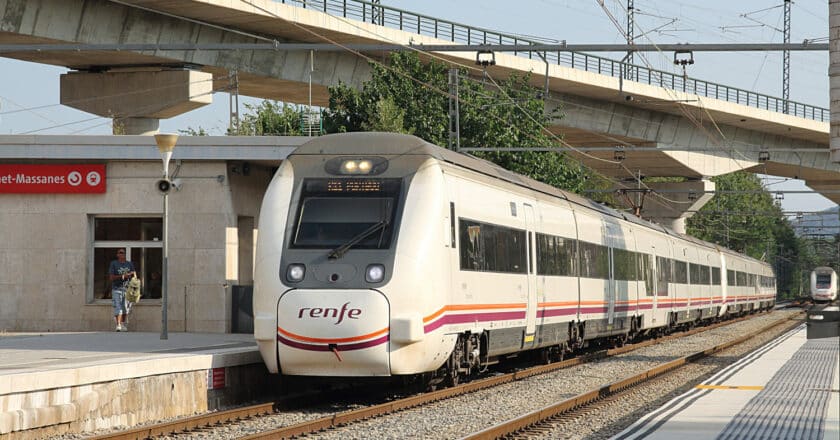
459, 33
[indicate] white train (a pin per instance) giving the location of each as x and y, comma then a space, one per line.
381, 254
823, 284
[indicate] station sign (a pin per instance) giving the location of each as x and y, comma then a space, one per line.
52, 179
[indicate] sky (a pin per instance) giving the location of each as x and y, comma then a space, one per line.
29, 93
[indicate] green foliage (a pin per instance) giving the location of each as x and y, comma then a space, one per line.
410, 96
388, 117
270, 118
753, 224
194, 132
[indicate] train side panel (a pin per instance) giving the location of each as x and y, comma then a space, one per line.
557, 284
267, 286
419, 297
490, 285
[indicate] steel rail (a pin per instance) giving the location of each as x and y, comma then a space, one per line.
189, 423
580, 401
349, 417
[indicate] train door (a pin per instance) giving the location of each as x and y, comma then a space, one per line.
652, 283
531, 309
451, 236
612, 287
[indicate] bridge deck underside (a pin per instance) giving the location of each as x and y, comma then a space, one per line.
128, 25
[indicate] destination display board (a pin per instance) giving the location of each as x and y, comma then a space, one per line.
52, 179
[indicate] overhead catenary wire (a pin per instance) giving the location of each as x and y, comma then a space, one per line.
617, 183
609, 161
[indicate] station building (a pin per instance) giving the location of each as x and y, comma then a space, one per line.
67, 203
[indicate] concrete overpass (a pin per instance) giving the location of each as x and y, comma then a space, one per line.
667, 125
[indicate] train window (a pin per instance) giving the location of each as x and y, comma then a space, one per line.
492, 248
663, 275
680, 272
335, 211
556, 255
646, 272
823, 281
716, 276
624, 265
694, 274
704, 275
741, 278
594, 260
730, 277
452, 223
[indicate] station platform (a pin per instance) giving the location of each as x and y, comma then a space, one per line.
55, 383
788, 389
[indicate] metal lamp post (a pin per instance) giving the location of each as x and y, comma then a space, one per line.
165, 144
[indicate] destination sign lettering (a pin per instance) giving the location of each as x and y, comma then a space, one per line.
52, 179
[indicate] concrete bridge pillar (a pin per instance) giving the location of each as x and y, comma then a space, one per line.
672, 209
137, 99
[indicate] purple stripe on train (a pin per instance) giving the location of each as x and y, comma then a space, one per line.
473, 317
339, 347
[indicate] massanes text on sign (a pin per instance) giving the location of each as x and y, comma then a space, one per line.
52, 179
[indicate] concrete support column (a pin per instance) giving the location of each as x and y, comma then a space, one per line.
137, 100
679, 206
834, 76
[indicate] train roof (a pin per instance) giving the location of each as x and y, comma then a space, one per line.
395, 144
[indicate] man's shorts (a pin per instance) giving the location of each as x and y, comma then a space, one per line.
118, 302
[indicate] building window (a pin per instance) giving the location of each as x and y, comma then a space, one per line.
141, 238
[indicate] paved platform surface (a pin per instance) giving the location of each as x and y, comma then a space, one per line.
38, 361
788, 389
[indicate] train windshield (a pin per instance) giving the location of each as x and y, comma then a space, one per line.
333, 212
823, 281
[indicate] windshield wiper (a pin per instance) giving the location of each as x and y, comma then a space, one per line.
341, 250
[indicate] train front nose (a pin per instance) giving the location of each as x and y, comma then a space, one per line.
333, 333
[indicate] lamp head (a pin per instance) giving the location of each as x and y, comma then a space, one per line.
166, 142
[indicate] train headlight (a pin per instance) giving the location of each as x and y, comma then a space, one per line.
375, 273
295, 273
350, 166
356, 166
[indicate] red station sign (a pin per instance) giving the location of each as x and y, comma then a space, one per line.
52, 179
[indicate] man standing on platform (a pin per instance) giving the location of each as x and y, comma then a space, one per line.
120, 272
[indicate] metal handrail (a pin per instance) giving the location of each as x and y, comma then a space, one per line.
459, 33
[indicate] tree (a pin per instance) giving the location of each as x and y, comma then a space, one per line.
271, 118
751, 223
268, 118
410, 96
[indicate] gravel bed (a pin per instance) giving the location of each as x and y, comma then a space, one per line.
460, 416
455, 418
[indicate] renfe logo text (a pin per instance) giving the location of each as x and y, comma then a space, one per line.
329, 312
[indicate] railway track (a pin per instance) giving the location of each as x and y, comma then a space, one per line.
203, 421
